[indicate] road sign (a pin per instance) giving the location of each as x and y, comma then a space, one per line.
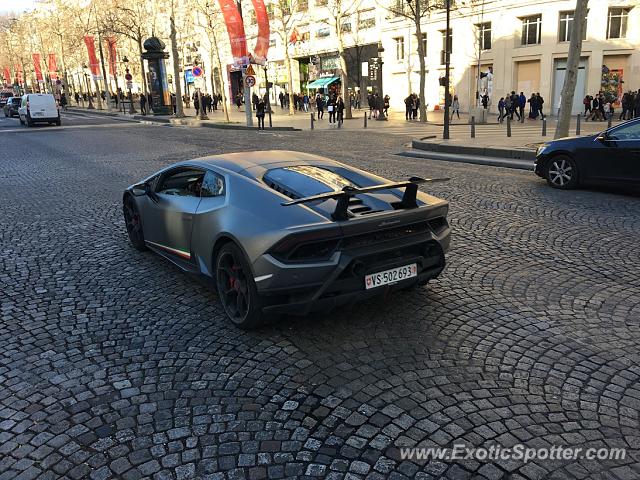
250, 80
128, 77
250, 71
129, 84
199, 82
197, 72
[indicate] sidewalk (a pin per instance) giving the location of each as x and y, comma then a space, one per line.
527, 135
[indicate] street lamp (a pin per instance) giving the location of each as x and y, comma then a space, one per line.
86, 81
381, 115
128, 78
447, 71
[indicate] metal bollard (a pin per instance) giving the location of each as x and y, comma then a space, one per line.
578, 118
609, 120
544, 127
508, 126
473, 127
270, 122
339, 123
365, 119
312, 120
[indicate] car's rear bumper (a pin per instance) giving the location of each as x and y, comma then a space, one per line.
302, 288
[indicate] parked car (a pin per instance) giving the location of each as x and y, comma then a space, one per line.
5, 94
39, 108
11, 107
609, 158
288, 232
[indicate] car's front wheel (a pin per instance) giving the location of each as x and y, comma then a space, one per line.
134, 224
562, 172
236, 287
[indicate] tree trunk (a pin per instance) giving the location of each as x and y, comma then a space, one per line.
223, 92
142, 72
423, 105
287, 60
571, 77
176, 65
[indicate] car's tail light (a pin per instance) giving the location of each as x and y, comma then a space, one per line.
315, 245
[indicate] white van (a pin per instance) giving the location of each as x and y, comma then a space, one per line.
38, 107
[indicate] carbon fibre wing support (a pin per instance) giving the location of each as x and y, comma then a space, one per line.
409, 198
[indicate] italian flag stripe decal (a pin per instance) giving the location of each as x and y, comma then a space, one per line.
175, 251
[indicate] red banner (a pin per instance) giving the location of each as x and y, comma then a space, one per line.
19, 74
262, 41
7, 74
93, 60
36, 67
53, 67
235, 29
111, 48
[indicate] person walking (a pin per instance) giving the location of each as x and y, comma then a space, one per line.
260, 113
507, 105
636, 105
522, 102
340, 111
415, 105
586, 101
320, 106
63, 101
540, 102
385, 105
455, 107
149, 103
501, 107
331, 108
305, 102
143, 104
407, 107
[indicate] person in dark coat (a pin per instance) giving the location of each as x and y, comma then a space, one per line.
143, 104
320, 106
260, 113
407, 107
340, 110
331, 108
522, 102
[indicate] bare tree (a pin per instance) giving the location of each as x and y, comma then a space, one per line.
571, 75
210, 19
285, 19
340, 12
131, 19
416, 11
176, 63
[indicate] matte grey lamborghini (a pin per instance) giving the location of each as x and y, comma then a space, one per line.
288, 232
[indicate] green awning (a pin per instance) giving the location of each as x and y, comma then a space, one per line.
322, 82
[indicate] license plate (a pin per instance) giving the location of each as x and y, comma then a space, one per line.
37, 114
389, 277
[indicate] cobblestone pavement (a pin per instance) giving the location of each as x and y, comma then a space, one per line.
116, 365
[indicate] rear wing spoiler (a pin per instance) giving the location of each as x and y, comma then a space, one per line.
409, 199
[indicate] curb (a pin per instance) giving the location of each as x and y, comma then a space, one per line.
204, 124
518, 164
96, 111
506, 153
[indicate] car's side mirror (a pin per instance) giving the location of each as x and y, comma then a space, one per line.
603, 137
139, 189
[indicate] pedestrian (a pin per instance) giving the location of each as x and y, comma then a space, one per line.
540, 102
331, 108
533, 108
320, 106
305, 102
415, 106
455, 107
260, 113
143, 104
515, 105
238, 100
340, 110
149, 102
385, 105
522, 102
173, 103
281, 99
507, 105
63, 101
586, 101
501, 107
485, 101
76, 97
254, 100
407, 107
371, 103
595, 109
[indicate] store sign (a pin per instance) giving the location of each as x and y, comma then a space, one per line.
188, 76
374, 66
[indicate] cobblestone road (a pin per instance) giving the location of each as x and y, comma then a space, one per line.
116, 365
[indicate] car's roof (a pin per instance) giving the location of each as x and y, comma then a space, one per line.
240, 161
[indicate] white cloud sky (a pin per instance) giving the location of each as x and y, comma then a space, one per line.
16, 5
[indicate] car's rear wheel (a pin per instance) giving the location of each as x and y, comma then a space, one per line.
562, 172
236, 287
134, 224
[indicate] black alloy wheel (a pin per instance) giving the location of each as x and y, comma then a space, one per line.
236, 287
134, 224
